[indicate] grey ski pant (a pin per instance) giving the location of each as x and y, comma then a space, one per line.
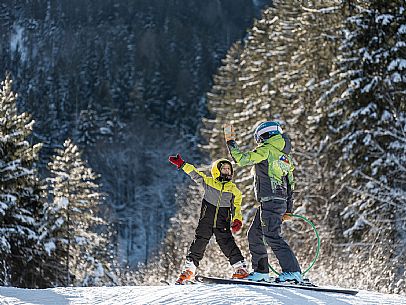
266, 230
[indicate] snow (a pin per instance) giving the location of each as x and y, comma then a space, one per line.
358, 225
105, 131
370, 85
62, 202
396, 77
386, 116
7, 199
49, 247
188, 294
385, 19
4, 244
17, 41
398, 63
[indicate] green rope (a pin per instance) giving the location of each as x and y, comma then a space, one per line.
318, 244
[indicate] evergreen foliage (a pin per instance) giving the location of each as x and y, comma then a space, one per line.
366, 139
20, 196
101, 72
71, 216
333, 74
38, 235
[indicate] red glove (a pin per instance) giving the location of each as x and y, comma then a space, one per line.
236, 226
176, 160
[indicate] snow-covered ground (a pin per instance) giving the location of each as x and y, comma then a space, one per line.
190, 294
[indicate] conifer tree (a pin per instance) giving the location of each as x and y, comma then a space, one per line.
20, 195
263, 70
72, 220
313, 59
329, 99
366, 122
222, 100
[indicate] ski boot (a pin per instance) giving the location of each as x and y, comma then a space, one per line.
188, 273
240, 270
291, 277
258, 277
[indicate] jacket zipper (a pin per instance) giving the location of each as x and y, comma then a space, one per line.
218, 206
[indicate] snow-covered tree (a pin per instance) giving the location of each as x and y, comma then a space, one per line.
366, 138
20, 195
291, 69
71, 221
221, 100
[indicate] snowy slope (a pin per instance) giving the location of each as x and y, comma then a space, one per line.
191, 294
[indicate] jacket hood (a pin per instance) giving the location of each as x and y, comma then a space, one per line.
280, 142
216, 165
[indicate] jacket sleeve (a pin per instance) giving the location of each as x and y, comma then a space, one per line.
196, 175
261, 153
237, 204
290, 179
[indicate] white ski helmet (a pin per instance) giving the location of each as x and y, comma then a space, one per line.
267, 129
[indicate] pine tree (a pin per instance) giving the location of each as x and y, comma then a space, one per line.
262, 69
222, 98
87, 131
315, 42
72, 220
283, 83
366, 149
20, 195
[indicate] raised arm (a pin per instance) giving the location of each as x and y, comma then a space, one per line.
194, 173
243, 158
247, 158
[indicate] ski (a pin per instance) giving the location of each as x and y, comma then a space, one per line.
216, 280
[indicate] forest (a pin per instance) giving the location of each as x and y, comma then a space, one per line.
107, 90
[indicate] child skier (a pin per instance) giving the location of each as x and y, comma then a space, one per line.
221, 196
273, 186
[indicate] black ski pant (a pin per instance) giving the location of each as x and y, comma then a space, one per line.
265, 230
221, 231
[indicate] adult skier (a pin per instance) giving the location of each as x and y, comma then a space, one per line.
273, 185
221, 200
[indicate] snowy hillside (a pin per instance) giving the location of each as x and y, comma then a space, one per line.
192, 294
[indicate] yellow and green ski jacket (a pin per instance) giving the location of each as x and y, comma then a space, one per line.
273, 168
